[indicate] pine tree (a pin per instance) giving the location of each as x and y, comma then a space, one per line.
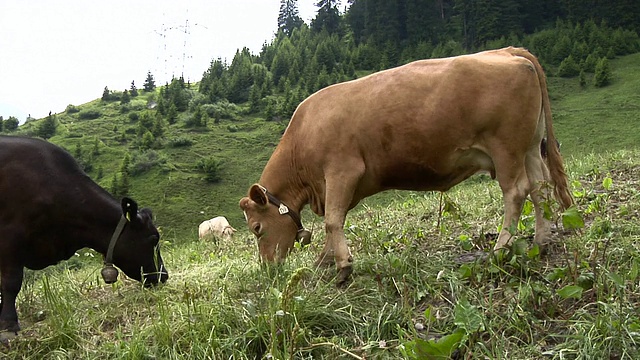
602, 76
583, 79
172, 114
47, 128
327, 17
124, 184
149, 83
288, 17
106, 94
96, 146
125, 99
133, 91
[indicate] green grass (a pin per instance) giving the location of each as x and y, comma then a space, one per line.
424, 279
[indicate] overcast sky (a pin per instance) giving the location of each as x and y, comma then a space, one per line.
59, 52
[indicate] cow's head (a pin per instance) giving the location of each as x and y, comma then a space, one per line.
276, 229
137, 251
228, 232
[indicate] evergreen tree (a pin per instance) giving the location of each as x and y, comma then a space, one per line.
147, 140
568, 67
106, 94
125, 98
149, 83
602, 76
120, 186
158, 127
288, 16
115, 186
1, 123
241, 79
254, 98
96, 146
214, 81
11, 124
133, 90
327, 17
583, 79
47, 128
172, 114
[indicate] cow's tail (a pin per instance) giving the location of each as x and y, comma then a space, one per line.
554, 158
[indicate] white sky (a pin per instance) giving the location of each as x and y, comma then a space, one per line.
59, 52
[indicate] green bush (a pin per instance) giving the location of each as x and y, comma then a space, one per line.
221, 110
602, 77
89, 114
145, 161
180, 141
568, 67
211, 167
71, 109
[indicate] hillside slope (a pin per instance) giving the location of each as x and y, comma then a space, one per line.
587, 120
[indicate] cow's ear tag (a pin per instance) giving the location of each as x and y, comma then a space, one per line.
283, 209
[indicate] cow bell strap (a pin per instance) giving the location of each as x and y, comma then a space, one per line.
282, 208
114, 238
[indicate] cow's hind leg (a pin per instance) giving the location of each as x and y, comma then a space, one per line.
539, 181
512, 177
11, 283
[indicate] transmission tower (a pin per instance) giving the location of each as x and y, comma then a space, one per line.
169, 51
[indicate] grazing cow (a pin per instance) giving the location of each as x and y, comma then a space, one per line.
50, 208
217, 227
426, 125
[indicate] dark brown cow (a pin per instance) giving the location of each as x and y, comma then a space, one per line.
427, 125
50, 208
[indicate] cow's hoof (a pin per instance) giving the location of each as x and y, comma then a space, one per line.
6, 335
344, 276
325, 261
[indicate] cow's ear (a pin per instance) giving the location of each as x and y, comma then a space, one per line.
244, 203
257, 195
129, 208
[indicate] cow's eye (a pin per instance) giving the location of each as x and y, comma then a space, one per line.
256, 229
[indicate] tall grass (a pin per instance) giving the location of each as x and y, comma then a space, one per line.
426, 284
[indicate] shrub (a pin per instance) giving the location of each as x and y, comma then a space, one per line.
147, 140
145, 161
583, 79
180, 141
89, 114
568, 67
602, 77
222, 109
134, 116
71, 109
197, 100
211, 167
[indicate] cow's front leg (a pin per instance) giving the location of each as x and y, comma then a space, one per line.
11, 284
340, 187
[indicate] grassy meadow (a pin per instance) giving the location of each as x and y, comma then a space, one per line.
426, 284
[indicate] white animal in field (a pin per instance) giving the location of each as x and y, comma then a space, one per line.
218, 227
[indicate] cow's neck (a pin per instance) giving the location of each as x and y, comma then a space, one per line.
281, 178
96, 226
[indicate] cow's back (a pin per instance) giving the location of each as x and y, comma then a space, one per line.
42, 189
414, 122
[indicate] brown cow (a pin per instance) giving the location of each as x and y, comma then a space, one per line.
427, 125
